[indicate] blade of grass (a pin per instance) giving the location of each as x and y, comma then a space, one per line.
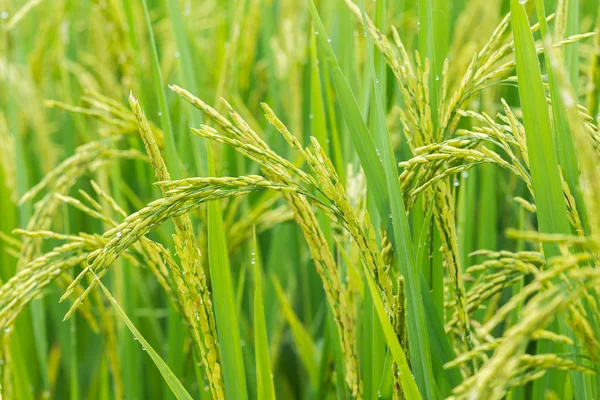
551, 208
408, 382
189, 80
318, 124
304, 342
325, 364
176, 331
593, 93
391, 208
264, 375
382, 176
170, 378
373, 349
564, 144
428, 25
318, 129
582, 385
172, 160
563, 138
37, 315
224, 300
443, 351
571, 52
341, 389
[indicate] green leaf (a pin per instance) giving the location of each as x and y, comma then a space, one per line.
172, 159
189, 80
563, 138
408, 383
304, 342
565, 101
264, 375
224, 301
549, 199
382, 177
174, 383
547, 187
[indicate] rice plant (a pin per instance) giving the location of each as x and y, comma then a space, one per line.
288, 199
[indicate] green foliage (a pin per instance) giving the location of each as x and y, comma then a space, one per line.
343, 199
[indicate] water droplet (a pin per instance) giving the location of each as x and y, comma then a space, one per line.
119, 234
464, 174
365, 33
437, 77
310, 116
376, 80
135, 338
160, 114
522, 1
317, 62
456, 182
177, 54
379, 393
206, 388
329, 40
316, 32
7, 330
143, 348
4, 15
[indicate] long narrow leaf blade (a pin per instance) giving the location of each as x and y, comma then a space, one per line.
408, 383
382, 176
551, 209
264, 375
224, 301
174, 383
306, 346
547, 187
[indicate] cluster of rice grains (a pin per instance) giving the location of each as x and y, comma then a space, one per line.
504, 320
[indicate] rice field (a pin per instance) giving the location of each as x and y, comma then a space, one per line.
260, 199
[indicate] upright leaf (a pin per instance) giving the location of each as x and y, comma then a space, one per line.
264, 375
224, 301
549, 199
382, 176
547, 187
